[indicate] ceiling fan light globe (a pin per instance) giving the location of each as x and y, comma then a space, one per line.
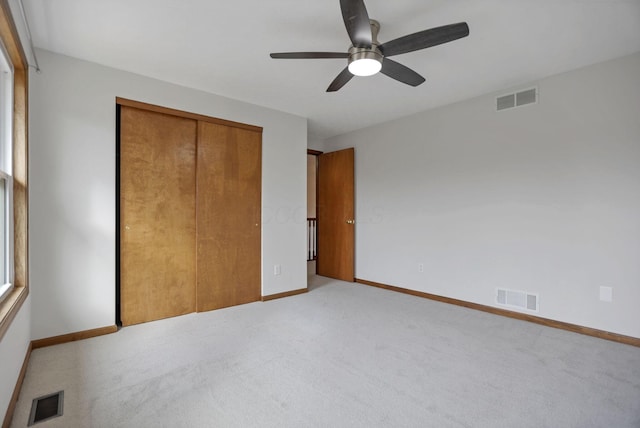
365, 67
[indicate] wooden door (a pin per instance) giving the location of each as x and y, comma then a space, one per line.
157, 215
228, 216
336, 228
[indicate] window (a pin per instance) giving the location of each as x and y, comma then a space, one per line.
14, 188
6, 184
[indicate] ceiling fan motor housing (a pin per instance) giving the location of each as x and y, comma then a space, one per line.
373, 52
368, 54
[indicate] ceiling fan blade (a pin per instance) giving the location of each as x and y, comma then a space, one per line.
356, 20
401, 73
425, 39
340, 81
309, 55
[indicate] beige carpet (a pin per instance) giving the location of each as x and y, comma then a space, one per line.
342, 355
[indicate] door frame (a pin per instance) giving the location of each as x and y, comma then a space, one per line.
351, 221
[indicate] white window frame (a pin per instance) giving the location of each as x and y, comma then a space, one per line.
6, 144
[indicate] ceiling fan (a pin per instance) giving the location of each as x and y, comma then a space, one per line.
367, 56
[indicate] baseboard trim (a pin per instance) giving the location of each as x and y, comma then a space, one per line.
72, 337
8, 417
601, 334
285, 294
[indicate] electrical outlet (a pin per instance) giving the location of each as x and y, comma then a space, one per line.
606, 294
277, 269
421, 267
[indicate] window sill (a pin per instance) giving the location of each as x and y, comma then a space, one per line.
5, 290
10, 306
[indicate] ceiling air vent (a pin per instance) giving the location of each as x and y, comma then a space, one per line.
517, 99
517, 299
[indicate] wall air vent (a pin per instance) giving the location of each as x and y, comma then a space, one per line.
517, 299
517, 99
506, 101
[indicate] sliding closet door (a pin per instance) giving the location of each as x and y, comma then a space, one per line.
157, 215
228, 215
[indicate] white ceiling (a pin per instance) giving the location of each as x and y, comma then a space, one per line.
223, 47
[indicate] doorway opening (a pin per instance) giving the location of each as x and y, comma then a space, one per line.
331, 214
312, 212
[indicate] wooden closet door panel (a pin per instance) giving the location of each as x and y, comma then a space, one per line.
157, 215
229, 182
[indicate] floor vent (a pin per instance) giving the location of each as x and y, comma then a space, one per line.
517, 299
46, 407
517, 99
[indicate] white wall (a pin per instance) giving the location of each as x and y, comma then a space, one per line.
544, 198
13, 349
314, 143
72, 193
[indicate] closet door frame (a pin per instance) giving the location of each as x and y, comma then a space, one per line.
173, 112
164, 110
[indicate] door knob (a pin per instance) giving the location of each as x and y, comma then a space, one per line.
351, 221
